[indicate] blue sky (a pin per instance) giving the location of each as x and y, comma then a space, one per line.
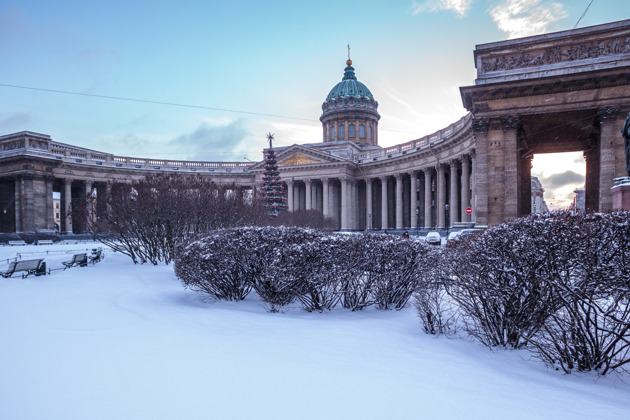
278, 58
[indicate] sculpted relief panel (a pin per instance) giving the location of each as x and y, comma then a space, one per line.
298, 159
557, 54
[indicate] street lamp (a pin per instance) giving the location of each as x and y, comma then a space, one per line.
448, 216
417, 220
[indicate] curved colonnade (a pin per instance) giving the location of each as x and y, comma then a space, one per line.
423, 183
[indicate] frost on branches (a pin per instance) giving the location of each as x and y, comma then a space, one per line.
319, 270
557, 284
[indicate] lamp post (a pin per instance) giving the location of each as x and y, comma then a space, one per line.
417, 220
448, 216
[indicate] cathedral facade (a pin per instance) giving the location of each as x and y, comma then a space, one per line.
559, 92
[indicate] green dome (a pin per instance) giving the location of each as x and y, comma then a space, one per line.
349, 86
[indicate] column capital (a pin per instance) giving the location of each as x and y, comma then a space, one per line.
383, 178
480, 125
510, 122
307, 180
608, 114
455, 162
398, 176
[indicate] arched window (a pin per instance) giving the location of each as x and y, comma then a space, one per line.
342, 133
351, 134
362, 131
370, 131
332, 133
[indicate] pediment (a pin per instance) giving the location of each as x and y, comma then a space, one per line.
298, 159
298, 155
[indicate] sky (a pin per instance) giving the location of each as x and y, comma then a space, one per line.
206, 80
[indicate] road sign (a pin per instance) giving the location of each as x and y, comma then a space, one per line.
469, 210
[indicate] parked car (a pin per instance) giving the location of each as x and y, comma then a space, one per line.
433, 238
453, 238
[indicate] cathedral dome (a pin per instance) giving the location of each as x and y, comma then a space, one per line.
349, 86
350, 111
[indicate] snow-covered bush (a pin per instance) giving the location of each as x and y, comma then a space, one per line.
558, 283
500, 282
317, 269
591, 328
228, 263
385, 266
435, 308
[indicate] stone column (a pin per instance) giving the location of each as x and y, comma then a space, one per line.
510, 126
345, 201
441, 196
454, 203
28, 202
309, 194
399, 201
90, 209
18, 189
413, 202
608, 133
67, 199
368, 203
384, 213
465, 187
480, 171
428, 219
325, 199
50, 206
290, 203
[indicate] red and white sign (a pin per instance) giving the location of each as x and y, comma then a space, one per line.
469, 210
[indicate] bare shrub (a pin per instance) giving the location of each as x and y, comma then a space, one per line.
241, 259
499, 282
591, 328
146, 219
435, 308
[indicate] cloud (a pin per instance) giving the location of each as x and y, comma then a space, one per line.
520, 18
562, 179
460, 7
16, 122
222, 142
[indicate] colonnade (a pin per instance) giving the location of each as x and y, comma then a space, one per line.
431, 197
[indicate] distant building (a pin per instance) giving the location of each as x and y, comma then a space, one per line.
579, 201
538, 199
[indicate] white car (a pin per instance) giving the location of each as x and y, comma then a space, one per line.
433, 238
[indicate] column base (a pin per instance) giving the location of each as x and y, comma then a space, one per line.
621, 194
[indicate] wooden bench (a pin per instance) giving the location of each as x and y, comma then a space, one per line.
45, 242
13, 243
77, 259
26, 267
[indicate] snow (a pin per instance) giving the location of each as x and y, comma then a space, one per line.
122, 341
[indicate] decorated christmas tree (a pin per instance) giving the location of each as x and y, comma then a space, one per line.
271, 189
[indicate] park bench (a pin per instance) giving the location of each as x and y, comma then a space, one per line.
13, 243
45, 242
26, 267
77, 259
97, 255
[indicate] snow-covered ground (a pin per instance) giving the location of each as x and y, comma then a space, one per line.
118, 341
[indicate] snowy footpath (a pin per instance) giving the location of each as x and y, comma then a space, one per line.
118, 341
